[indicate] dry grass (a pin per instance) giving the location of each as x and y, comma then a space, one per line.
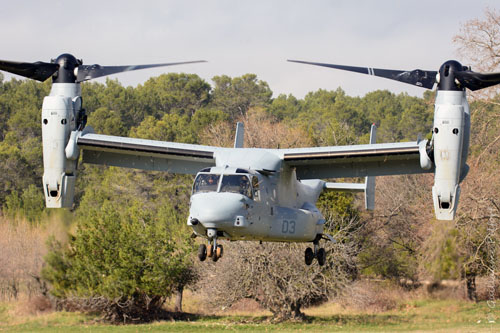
23, 247
374, 296
362, 296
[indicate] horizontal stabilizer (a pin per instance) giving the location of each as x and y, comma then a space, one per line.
345, 187
368, 187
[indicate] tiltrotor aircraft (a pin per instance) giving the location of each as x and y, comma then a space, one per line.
252, 193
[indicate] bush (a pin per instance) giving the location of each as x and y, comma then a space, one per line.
125, 259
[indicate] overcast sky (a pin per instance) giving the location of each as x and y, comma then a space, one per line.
238, 37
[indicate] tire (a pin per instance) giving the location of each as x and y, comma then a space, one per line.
215, 257
219, 251
202, 252
321, 256
309, 256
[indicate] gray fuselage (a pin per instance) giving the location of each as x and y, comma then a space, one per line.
249, 205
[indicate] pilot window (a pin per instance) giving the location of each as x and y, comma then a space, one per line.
206, 183
236, 184
255, 185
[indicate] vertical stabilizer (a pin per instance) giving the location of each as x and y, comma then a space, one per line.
239, 136
370, 180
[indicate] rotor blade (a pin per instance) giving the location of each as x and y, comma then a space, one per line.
40, 71
417, 77
87, 72
475, 81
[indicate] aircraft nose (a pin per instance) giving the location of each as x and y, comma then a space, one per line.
214, 210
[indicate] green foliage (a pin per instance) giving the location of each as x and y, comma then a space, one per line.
395, 260
449, 260
30, 203
117, 254
107, 122
235, 96
171, 127
21, 165
398, 117
442, 253
285, 107
338, 204
128, 246
206, 116
180, 94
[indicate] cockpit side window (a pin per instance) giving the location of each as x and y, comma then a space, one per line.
256, 189
206, 183
236, 184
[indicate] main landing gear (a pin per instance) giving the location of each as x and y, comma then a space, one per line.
318, 253
213, 250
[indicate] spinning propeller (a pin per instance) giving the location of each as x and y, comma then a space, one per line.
451, 76
67, 69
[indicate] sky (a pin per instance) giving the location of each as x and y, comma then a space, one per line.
238, 37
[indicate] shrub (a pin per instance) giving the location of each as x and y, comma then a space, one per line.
124, 259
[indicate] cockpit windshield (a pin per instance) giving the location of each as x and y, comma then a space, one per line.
236, 184
206, 183
209, 182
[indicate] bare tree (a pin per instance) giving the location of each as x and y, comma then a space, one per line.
275, 275
479, 42
396, 232
261, 131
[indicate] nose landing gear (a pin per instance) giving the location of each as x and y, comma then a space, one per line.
213, 250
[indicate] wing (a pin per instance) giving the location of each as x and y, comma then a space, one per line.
356, 161
145, 154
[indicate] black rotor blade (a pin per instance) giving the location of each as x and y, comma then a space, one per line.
40, 71
417, 77
475, 81
87, 72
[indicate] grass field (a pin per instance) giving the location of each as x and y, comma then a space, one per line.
416, 316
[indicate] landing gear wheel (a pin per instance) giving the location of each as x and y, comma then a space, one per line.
219, 251
202, 252
321, 256
309, 256
210, 251
215, 257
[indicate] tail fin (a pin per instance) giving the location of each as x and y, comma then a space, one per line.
239, 136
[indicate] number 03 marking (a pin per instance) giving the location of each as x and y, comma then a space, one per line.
288, 227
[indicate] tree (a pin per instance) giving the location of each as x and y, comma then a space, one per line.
285, 107
107, 122
235, 96
171, 127
394, 236
131, 249
479, 42
181, 94
274, 274
261, 131
125, 257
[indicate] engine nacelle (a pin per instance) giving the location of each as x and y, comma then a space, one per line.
451, 141
58, 121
